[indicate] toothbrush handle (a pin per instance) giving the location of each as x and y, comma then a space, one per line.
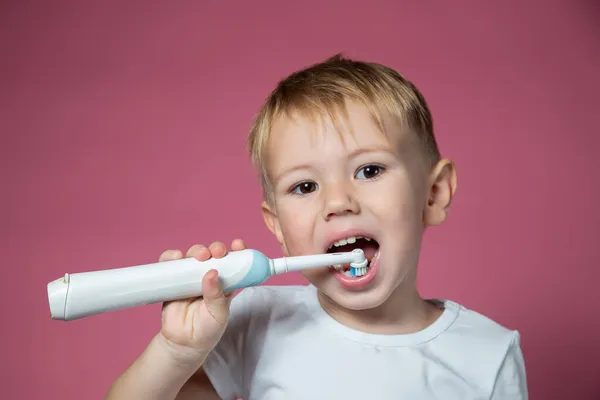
83, 294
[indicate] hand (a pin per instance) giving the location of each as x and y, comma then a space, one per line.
193, 327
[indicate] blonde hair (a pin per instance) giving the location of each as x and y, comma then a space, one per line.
323, 89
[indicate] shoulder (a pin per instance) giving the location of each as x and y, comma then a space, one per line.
474, 324
485, 349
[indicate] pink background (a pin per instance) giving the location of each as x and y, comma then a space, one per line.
123, 125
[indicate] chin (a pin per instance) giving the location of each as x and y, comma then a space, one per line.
366, 300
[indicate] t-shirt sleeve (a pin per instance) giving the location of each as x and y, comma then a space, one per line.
224, 365
511, 381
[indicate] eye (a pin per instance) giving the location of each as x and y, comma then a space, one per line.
304, 188
369, 171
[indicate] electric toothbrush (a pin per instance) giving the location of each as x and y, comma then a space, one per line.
84, 294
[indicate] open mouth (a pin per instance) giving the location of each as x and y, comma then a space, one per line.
367, 244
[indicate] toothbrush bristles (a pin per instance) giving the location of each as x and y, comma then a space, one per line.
359, 268
360, 271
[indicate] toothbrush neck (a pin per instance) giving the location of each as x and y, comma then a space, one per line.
278, 266
298, 263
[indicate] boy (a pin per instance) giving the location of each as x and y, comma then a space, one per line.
347, 158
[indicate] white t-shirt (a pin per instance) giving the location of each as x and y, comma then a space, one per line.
280, 344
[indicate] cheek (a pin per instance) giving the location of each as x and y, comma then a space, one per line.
297, 229
400, 207
399, 197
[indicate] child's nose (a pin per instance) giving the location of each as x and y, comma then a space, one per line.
339, 201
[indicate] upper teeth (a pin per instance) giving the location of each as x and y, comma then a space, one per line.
348, 240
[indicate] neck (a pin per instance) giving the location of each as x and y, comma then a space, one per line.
404, 312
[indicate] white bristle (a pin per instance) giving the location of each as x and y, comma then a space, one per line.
359, 268
360, 264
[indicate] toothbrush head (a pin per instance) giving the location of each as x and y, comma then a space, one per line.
359, 268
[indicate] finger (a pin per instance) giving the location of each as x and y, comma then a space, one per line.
217, 303
217, 249
198, 251
238, 244
169, 255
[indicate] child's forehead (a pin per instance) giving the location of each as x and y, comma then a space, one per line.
354, 126
324, 141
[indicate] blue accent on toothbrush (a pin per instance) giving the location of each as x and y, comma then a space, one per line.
260, 271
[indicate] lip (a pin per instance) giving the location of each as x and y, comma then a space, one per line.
360, 282
334, 236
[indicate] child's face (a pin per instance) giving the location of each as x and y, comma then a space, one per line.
330, 185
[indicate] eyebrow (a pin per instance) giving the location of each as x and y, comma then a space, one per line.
288, 171
378, 149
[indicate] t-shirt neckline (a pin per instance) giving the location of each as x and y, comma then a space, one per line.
442, 323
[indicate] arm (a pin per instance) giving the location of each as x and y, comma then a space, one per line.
190, 329
156, 375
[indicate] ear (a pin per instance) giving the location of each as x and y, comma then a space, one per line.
272, 221
442, 187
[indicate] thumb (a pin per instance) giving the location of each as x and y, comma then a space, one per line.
217, 303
